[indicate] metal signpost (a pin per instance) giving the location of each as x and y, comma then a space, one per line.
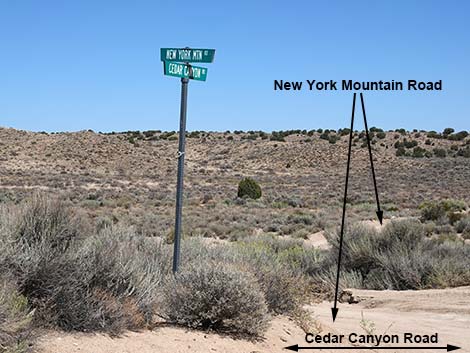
176, 63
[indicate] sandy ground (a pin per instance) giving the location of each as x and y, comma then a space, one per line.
446, 312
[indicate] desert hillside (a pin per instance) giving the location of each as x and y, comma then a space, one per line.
131, 176
86, 239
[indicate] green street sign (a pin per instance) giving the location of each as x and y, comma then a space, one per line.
184, 71
187, 55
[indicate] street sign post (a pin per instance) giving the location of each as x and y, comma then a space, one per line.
187, 55
176, 63
184, 71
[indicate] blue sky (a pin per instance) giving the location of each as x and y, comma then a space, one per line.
73, 65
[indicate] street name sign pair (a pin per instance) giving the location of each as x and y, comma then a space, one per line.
176, 63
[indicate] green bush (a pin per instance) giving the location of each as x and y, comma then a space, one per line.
213, 295
277, 138
400, 152
439, 152
464, 152
410, 144
381, 135
248, 187
463, 225
333, 138
418, 152
434, 134
459, 136
448, 131
439, 210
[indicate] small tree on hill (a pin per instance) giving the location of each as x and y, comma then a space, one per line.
248, 187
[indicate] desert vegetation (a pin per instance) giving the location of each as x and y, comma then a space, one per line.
57, 272
86, 222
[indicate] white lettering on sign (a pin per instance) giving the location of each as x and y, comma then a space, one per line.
170, 54
175, 69
188, 54
196, 72
182, 70
184, 54
197, 54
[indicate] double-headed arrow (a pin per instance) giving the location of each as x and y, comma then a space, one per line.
448, 348
334, 309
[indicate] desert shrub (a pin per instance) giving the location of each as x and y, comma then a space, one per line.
439, 152
333, 138
434, 134
459, 136
277, 136
216, 296
398, 257
381, 135
410, 143
464, 152
399, 144
437, 210
279, 266
448, 131
418, 152
41, 221
463, 225
110, 282
107, 281
301, 218
248, 187
35, 236
443, 229
400, 152
193, 134
451, 264
325, 135
466, 234
401, 267
362, 242
325, 281
15, 319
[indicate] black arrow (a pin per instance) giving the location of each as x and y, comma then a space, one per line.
334, 310
296, 348
379, 212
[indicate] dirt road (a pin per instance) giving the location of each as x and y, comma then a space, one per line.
446, 312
